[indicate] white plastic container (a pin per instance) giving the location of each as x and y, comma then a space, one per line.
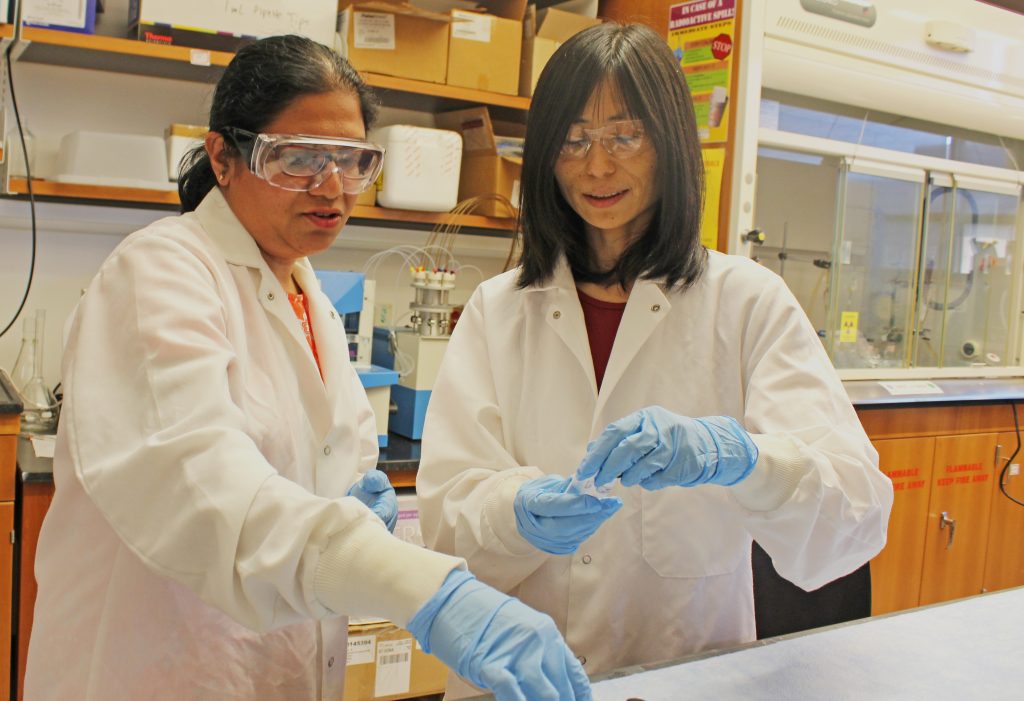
421, 167
117, 160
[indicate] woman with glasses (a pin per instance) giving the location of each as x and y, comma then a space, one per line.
217, 513
617, 418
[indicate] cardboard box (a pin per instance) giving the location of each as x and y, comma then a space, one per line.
394, 38
486, 169
543, 32
77, 17
228, 26
385, 662
485, 49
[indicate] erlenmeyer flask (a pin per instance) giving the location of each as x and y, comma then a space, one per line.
40, 412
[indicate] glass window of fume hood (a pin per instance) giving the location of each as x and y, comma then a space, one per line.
873, 271
828, 120
796, 208
965, 309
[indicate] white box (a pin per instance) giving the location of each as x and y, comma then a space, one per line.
421, 168
116, 160
424, 353
181, 138
219, 25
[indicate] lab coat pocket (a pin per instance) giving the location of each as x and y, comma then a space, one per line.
690, 532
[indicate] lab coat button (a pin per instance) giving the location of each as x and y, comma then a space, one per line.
330, 662
656, 308
327, 450
557, 315
586, 559
270, 296
582, 659
332, 313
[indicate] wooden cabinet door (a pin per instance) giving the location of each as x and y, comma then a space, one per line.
896, 571
1004, 557
954, 558
6, 603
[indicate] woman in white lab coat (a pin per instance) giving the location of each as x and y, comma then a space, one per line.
623, 352
216, 509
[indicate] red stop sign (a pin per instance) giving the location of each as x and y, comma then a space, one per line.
721, 46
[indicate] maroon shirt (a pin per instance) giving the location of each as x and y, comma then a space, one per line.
602, 320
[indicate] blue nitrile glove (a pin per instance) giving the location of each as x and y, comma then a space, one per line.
498, 642
555, 520
655, 448
376, 491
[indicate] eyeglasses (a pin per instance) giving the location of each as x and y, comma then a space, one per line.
299, 163
620, 139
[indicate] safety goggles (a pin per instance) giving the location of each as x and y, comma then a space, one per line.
621, 139
298, 162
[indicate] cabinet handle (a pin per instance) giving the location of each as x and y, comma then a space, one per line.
951, 522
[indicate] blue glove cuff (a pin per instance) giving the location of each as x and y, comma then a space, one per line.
737, 453
420, 624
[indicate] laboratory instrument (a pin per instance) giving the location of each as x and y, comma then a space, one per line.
40, 406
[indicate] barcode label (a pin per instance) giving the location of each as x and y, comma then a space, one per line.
394, 667
394, 659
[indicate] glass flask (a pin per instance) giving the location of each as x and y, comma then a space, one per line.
40, 406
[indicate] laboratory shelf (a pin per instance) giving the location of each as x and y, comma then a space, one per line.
114, 54
165, 199
105, 53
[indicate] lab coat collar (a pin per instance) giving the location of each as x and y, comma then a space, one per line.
234, 240
647, 306
239, 248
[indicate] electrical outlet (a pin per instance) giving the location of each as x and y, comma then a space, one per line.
1014, 469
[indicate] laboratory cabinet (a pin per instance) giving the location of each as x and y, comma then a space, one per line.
951, 533
10, 423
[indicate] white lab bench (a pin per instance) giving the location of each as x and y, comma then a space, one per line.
967, 649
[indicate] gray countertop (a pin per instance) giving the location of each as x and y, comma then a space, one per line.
965, 649
882, 393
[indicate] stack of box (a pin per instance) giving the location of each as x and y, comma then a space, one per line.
487, 167
443, 41
543, 32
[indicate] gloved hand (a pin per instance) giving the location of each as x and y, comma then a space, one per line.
376, 491
557, 521
499, 643
655, 448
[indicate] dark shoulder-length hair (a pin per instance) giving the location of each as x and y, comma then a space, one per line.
261, 81
639, 64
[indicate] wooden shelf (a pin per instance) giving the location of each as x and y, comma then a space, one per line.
118, 55
6, 31
162, 199
446, 92
69, 191
107, 53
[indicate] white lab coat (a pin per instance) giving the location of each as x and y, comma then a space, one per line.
200, 460
670, 573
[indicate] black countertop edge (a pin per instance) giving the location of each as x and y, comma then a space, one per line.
871, 394
10, 398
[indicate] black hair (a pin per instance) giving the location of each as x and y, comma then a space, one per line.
639, 64
261, 81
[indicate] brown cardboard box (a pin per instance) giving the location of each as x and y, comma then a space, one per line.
394, 38
543, 33
484, 170
385, 662
484, 49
